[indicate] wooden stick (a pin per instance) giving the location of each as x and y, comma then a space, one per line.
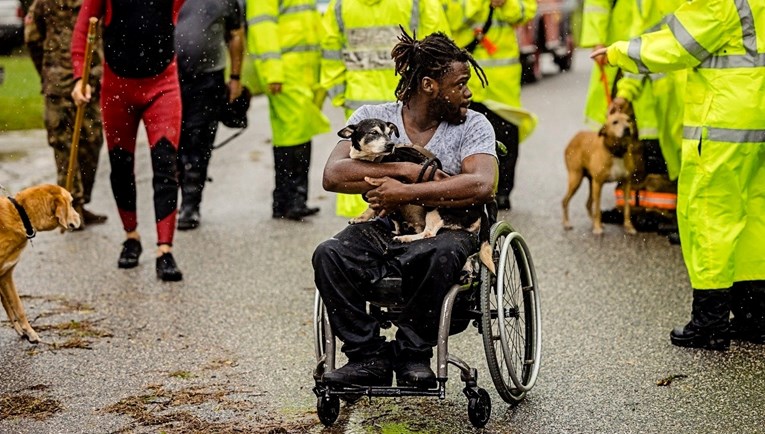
81, 109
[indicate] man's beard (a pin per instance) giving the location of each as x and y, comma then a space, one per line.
447, 111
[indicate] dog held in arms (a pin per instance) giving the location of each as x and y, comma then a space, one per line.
39, 208
612, 154
371, 141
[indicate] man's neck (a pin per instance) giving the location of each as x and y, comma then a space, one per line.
417, 117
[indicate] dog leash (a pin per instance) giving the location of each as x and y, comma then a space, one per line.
229, 139
31, 232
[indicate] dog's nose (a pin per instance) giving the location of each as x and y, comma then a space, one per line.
628, 131
389, 146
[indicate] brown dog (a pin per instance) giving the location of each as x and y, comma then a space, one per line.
612, 154
39, 208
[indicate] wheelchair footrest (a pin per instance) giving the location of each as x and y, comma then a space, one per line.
323, 389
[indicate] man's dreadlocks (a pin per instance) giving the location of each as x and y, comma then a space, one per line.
431, 57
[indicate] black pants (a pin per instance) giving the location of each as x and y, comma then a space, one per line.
507, 133
202, 96
347, 265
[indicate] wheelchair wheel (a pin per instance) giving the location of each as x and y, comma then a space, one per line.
510, 315
479, 408
328, 408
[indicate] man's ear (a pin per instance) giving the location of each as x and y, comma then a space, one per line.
393, 128
347, 132
429, 85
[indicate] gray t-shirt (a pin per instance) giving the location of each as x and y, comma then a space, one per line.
451, 143
202, 32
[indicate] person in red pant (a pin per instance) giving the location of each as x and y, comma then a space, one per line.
140, 83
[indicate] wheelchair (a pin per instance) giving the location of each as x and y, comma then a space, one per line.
505, 308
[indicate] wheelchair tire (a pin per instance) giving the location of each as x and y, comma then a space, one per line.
479, 408
510, 315
328, 409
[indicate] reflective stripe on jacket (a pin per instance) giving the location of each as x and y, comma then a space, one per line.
502, 68
721, 190
283, 40
356, 64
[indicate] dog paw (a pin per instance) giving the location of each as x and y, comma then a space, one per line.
630, 230
567, 226
31, 336
597, 231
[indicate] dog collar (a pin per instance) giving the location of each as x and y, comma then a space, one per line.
31, 232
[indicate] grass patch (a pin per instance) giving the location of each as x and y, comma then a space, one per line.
21, 104
25, 405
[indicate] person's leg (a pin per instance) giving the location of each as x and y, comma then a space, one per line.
747, 303
202, 97
89, 150
162, 118
429, 267
298, 164
59, 123
507, 134
345, 266
121, 121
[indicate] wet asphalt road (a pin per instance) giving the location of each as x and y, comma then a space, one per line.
230, 349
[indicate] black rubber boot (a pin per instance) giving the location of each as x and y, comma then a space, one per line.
370, 371
298, 163
415, 373
748, 307
709, 325
193, 175
281, 194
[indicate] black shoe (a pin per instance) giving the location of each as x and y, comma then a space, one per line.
188, 218
91, 218
503, 202
739, 331
710, 322
691, 336
612, 216
298, 213
131, 250
166, 268
372, 371
416, 373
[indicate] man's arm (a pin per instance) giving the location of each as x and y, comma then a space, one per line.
236, 54
473, 186
34, 34
342, 174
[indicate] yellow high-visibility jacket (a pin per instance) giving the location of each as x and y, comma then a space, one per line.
356, 65
605, 22
502, 68
667, 89
283, 39
721, 189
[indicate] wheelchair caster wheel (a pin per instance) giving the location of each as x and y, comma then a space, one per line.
479, 408
328, 408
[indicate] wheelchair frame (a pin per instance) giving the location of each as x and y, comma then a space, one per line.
513, 369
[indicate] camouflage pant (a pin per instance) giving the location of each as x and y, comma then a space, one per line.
60, 113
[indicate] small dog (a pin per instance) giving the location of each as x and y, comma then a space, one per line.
39, 208
371, 140
612, 154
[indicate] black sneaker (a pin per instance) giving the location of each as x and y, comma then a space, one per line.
166, 268
131, 250
373, 371
416, 373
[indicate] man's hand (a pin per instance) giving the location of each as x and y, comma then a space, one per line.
599, 55
274, 88
387, 195
77, 96
234, 89
620, 105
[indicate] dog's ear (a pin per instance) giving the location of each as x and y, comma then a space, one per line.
393, 128
61, 210
347, 132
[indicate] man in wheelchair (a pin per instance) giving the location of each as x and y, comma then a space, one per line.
431, 111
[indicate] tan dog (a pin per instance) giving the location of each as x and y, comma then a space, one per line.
40, 208
612, 154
